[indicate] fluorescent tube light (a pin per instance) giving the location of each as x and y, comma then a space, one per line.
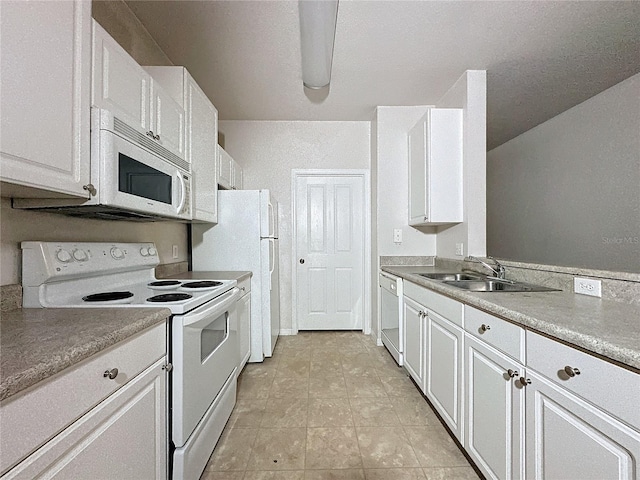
317, 33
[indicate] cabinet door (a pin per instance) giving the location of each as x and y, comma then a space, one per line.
244, 328
202, 140
225, 169
570, 438
120, 85
494, 424
414, 340
418, 206
45, 95
444, 370
167, 120
123, 437
237, 176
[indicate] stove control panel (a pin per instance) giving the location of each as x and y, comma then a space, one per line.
45, 261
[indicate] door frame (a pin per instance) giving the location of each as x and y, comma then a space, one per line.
366, 241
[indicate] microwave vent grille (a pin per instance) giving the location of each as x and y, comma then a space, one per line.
132, 134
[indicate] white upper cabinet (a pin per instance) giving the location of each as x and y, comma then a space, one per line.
201, 137
435, 168
225, 169
238, 176
45, 97
123, 87
120, 85
202, 142
167, 121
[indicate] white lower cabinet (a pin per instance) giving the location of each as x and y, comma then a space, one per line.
443, 358
105, 417
244, 321
414, 318
123, 437
523, 405
569, 438
494, 427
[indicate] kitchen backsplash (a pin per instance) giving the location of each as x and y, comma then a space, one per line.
10, 297
407, 261
617, 286
167, 270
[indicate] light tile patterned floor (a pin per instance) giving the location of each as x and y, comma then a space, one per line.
332, 405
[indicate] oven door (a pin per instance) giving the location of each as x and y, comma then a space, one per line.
205, 351
135, 179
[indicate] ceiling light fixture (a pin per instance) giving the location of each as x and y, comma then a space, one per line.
317, 34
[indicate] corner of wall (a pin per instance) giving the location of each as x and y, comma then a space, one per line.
469, 92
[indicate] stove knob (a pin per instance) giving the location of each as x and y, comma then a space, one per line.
144, 251
63, 256
80, 255
117, 253
152, 251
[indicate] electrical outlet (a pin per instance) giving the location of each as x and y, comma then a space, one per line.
397, 235
175, 251
460, 249
587, 286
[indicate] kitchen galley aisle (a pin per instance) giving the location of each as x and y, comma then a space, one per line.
333, 405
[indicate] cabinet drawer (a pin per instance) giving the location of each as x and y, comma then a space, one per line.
245, 285
444, 306
48, 407
604, 384
498, 333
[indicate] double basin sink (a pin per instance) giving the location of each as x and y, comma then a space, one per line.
482, 283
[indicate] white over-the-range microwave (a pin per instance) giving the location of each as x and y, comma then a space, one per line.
132, 177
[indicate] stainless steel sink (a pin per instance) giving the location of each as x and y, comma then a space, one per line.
451, 276
498, 285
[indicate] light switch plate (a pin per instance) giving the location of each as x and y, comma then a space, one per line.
587, 286
397, 235
460, 249
175, 251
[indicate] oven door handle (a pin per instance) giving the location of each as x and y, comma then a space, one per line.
220, 305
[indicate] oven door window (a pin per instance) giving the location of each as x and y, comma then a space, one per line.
213, 335
141, 180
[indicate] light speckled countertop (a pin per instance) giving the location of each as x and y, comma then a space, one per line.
36, 343
607, 328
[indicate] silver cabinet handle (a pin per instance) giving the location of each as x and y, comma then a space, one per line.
167, 367
110, 374
242, 289
571, 371
512, 373
484, 327
525, 381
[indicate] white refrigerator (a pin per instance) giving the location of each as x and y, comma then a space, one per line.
246, 238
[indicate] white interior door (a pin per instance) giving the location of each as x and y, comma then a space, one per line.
329, 250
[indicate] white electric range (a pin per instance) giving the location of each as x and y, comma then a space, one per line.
202, 335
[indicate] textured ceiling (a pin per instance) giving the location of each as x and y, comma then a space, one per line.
541, 57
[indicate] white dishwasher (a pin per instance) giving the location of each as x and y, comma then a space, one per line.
391, 314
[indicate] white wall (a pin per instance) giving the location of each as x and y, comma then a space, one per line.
567, 192
393, 124
268, 151
470, 94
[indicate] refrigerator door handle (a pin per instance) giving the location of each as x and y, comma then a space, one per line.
272, 221
272, 260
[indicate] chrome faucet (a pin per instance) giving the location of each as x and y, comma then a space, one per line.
497, 269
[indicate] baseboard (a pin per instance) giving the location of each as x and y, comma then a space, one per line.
287, 331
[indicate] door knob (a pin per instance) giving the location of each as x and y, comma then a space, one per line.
302, 260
